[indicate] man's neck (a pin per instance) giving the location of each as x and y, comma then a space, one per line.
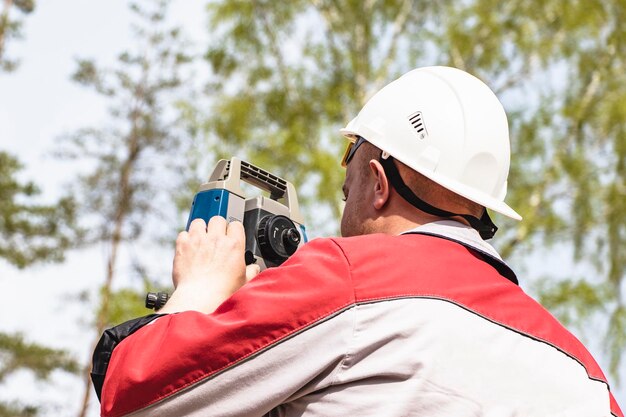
397, 224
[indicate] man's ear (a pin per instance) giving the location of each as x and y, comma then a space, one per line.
381, 185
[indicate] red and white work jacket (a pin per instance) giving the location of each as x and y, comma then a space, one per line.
428, 323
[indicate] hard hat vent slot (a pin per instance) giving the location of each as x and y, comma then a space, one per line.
417, 122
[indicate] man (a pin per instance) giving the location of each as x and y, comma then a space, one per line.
410, 314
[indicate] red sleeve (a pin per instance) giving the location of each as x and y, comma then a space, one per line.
179, 350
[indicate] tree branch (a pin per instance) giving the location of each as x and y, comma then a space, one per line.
457, 58
398, 27
292, 94
4, 24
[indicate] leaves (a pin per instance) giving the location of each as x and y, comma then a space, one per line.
10, 28
15, 409
616, 339
16, 354
119, 195
32, 232
125, 304
25, 6
573, 301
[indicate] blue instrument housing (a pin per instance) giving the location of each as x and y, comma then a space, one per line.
209, 203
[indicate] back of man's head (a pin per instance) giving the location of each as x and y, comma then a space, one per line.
450, 130
425, 188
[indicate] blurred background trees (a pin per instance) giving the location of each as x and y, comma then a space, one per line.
126, 186
19, 354
30, 232
10, 27
276, 80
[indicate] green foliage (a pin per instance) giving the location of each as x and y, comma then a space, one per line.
616, 339
583, 165
31, 232
126, 304
10, 27
15, 409
572, 301
287, 75
127, 187
17, 354
119, 191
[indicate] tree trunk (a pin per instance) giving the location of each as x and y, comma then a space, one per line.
123, 208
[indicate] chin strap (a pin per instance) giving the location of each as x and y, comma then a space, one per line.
484, 225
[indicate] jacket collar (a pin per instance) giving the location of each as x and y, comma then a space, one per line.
468, 237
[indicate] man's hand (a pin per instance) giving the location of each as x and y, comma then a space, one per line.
209, 265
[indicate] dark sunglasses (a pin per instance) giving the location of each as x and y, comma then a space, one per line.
351, 150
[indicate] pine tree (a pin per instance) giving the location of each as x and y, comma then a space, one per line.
17, 354
30, 232
11, 27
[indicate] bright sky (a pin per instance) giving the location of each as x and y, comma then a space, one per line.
38, 103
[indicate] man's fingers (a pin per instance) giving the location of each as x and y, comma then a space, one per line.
197, 226
211, 256
252, 271
235, 230
182, 237
216, 227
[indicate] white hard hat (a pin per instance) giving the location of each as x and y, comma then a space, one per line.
447, 125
